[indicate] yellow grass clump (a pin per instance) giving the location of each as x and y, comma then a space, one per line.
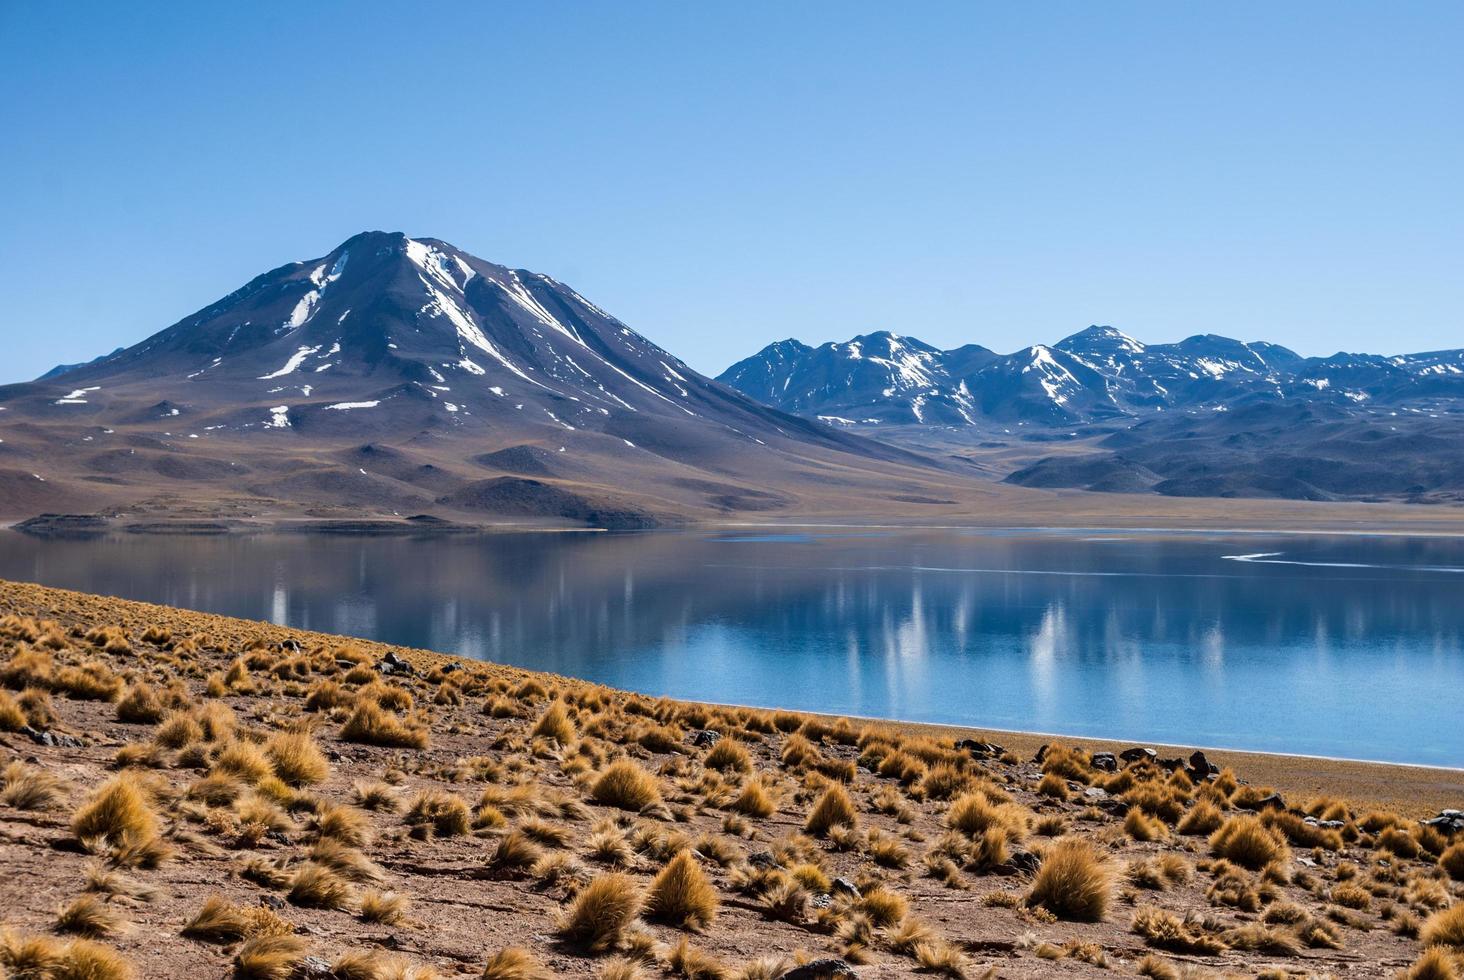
435, 813
597, 919
269, 958
1435, 963
755, 800
370, 724
833, 809
681, 896
513, 963
297, 759
1248, 842
625, 785
139, 705
91, 916
554, 725
728, 755
1073, 882
118, 810
1445, 927
1452, 861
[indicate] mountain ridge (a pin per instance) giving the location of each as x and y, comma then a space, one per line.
1273, 422
446, 358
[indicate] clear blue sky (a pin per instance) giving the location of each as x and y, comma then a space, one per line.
723, 175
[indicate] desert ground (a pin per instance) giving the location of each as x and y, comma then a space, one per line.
190, 795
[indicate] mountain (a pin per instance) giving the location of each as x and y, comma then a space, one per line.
1207, 416
396, 375
61, 369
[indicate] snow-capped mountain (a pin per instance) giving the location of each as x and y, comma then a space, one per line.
1098, 375
1207, 416
415, 344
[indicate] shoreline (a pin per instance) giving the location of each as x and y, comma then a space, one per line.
1411, 788
393, 528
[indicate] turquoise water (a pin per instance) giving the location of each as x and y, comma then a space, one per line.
1344, 646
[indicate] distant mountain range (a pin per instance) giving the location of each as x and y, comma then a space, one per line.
1208, 416
1099, 374
397, 375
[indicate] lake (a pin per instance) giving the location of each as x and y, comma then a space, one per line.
1342, 646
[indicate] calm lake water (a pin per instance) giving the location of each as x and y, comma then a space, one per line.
1345, 646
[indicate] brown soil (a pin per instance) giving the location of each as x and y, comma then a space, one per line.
478, 720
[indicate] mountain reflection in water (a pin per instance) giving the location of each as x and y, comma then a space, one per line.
1343, 646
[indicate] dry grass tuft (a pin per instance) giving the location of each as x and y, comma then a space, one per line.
140, 705
681, 895
435, 813
1248, 842
1445, 928
119, 809
217, 921
728, 756
269, 958
1167, 931
625, 785
1435, 963
28, 788
833, 809
1452, 861
370, 724
939, 956
513, 963
83, 960
1073, 882
387, 908
598, 917
554, 725
319, 887
1203, 818
685, 960
91, 916
756, 800
297, 759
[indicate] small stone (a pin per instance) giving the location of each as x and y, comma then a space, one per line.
1272, 802
1023, 862
828, 968
978, 748
272, 901
822, 900
844, 886
762, 860
1104, 761
705, 738
1448, 821
393, 664
314, 966
1096, 794
52, 739
1138, 754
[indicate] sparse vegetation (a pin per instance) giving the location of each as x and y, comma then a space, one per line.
324, 788
681, 896
600, 914
1073, 882
625, 785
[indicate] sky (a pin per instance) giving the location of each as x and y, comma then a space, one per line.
723, 175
